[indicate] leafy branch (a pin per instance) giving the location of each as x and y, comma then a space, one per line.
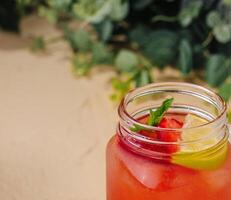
188, 35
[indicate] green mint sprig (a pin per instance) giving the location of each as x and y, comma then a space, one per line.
137, 128
154, 116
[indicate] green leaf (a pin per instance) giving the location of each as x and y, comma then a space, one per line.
189, 12
59, 4
225, 91
156, 116
121, 87
217, 69
119, 10
143, 77
79, 40
164, 18
161, 47
38, 44
185, 60
92, 11
81, 64
101, 54
50, 14
105, 29
141, 4
222, 33
213, 19
139, 35
126, 61
119, 84
227, 2
137, 128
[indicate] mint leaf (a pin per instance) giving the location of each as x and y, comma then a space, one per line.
137, 128
156, 116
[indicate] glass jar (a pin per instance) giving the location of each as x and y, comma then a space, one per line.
199, 167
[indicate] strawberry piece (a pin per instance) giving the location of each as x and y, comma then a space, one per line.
168, 122
166, 136
149, 134
169, 136
171, 121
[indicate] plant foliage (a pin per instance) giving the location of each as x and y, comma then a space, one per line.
189, 35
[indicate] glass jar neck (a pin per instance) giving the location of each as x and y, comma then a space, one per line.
188, 99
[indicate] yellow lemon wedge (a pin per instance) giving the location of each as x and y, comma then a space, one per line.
206, 154
195, 134
205, 160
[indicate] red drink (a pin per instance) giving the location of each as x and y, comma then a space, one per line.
175, 160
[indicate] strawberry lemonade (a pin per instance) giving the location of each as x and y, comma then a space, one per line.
172, 143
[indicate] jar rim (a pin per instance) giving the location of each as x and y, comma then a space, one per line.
124, 115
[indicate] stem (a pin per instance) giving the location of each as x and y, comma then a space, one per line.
208, 39
164, 18
144, 63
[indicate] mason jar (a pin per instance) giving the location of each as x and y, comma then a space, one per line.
141, 165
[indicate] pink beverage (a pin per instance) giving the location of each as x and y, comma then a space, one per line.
185, 156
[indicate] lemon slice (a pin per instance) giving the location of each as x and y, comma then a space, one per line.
195, 134
205, 160
203, 154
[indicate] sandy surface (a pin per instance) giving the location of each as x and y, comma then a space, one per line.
53, 127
